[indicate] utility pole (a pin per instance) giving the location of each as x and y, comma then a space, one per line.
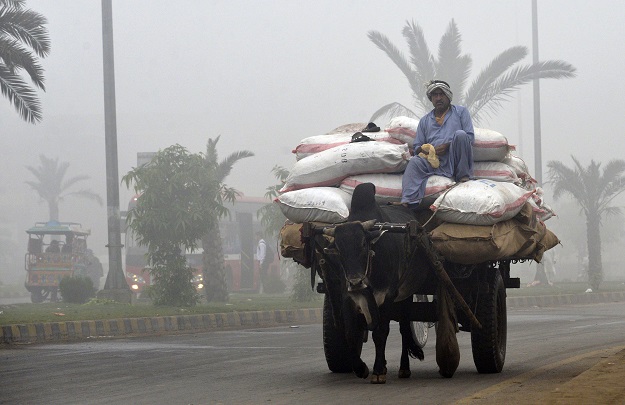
538, 164
116, 288
538, 161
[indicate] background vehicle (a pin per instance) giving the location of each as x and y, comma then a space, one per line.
57, 250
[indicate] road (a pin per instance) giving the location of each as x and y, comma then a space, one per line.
286, 365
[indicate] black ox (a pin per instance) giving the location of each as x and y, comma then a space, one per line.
371, 276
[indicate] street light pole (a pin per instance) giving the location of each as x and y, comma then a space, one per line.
538, 164
115, 287
538, 161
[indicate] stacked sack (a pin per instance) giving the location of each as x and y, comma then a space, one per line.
329, 167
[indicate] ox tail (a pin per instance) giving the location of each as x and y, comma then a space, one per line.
409, 341
414, 350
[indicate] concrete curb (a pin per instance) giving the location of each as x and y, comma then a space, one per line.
77, 330
50, 332
565, 299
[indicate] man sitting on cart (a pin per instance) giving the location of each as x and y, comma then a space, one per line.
442, 146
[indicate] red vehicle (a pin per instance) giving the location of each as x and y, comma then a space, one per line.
239, 248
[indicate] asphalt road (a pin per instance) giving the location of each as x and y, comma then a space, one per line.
286, 365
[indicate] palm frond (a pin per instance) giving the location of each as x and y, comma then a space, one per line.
566, 181
490, 73
23, 98
501, 89
423, 61
27, 26
452, 66
392, 110
16, 57
225, 166
88, 194
396, 56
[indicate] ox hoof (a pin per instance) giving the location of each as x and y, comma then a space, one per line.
378, 379
404, 373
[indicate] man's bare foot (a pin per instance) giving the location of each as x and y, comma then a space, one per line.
398, 203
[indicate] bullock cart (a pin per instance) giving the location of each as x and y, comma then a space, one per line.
478, 292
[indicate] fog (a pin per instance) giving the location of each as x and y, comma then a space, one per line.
264, 75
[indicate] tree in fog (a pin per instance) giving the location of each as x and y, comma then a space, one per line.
23, 40
493, 85
271, 217
214, 189
53, 187
594, 190
171, 214
272, 220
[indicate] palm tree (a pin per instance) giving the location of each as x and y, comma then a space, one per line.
23, 40
593, 191
52, 186
493, 85
213, 266
270, 215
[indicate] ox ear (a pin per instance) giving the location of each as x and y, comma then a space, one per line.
369, 224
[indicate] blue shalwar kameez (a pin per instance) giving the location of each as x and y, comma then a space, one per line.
457, 163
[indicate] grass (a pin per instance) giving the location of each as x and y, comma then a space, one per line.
562, 288
96, 310
101, 309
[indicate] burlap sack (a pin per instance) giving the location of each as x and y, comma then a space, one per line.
473, 244
291, 244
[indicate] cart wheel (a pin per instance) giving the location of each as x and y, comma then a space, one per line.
420, 329
489, 343
334, 343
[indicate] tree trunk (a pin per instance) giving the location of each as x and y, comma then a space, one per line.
595, 270
53, 208
213, 266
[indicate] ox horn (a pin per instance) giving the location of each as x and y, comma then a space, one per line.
369, 224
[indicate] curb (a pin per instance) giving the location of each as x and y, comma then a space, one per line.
565, 299
75, 330
55, 332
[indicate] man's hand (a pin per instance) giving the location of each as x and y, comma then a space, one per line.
441, 149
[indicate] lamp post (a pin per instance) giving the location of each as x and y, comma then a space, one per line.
538, 164
115, 287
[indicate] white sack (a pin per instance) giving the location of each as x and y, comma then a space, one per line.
330, 167
404, 129
318, 143
319, 204
388, 186
496, 171
522, 171
480, 202
489, 145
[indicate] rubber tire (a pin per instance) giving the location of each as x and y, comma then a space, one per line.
420, 329
489, 343
334, 342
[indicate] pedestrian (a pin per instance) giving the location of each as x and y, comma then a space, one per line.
442, 146
261, 257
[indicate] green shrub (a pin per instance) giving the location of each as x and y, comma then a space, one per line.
76, 289
274, 285
301, 290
